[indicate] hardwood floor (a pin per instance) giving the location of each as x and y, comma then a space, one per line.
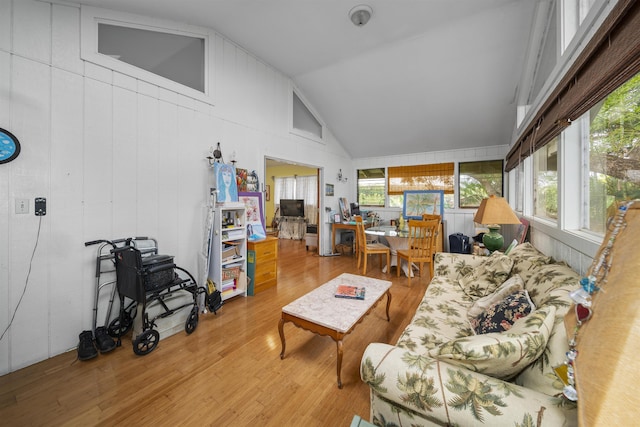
228, 372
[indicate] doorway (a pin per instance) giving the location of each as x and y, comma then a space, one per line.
293, 179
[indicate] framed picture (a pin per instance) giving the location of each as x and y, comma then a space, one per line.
328, 189
337, 218
254, 221
267, 192
521, 233
418, 202
225, 182
344, 208
241, 179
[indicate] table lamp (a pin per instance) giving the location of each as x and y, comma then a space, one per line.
492, 212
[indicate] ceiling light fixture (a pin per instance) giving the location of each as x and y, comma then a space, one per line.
360, 15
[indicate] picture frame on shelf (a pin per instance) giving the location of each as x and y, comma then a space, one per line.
521, 233
337, 218
418, 202
254, 220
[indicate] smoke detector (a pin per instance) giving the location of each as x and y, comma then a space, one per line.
360, 15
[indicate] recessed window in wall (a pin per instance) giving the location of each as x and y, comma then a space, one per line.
303, 119
173, 56
614, 153
371, 187
438, 176
479, 180
545, 183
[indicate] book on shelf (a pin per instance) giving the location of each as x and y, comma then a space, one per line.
349, 291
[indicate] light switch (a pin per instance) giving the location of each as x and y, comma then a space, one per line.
22, 206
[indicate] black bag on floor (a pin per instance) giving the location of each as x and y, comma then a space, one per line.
459, 243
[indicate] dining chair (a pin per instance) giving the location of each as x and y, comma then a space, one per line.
369, 248
431, 216
421, 245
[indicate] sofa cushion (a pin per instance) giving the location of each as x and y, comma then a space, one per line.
526, 259
485, 279
479, 306
441, 316
550, 285
501, 315
502, 354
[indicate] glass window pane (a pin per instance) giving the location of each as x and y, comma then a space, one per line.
371, 191
173, 56
545, 184
614, 153
303, 119
479, 180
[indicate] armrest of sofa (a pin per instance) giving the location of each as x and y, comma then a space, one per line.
454, 265
407, 385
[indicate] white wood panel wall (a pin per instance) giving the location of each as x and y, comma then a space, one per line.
115, 156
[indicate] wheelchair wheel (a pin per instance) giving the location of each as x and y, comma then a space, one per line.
117, 329
146, 342
192, 321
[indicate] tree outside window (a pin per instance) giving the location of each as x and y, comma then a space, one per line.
479, 180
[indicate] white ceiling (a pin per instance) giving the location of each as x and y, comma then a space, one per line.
422, 75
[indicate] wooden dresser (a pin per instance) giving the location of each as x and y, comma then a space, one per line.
262, 264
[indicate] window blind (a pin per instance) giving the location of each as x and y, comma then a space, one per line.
610, 58
420, 177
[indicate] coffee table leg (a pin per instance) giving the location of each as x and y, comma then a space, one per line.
388, 304
339, 345
281, 330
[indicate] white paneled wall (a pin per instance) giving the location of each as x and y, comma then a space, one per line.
115, 156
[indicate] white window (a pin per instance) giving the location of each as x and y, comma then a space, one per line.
545, 183
161, 53
304, 122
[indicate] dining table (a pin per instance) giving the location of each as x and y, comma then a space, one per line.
396, 239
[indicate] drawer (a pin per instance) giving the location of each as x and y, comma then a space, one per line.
266, 251
259, 287
265, 272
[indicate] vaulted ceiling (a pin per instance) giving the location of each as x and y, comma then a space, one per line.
422, 75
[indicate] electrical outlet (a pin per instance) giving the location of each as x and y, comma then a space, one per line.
40, 206
22, 206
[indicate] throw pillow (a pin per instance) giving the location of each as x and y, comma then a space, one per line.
503, 314
479, 306
526, 259
501, 354
485, 279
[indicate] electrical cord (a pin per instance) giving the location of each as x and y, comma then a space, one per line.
26, 282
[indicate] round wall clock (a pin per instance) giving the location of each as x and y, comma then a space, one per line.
9, 146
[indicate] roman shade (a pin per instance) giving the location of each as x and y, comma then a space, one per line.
610, 58
438, 176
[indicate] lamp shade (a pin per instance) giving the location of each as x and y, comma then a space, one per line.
495, 210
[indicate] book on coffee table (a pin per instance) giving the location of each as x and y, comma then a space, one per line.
349, 291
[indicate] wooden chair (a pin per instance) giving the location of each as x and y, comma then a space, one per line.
368, 248
431, 216
421, 247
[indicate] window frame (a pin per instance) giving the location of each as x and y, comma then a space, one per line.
300, 132
384, 185
91, 17
459, 181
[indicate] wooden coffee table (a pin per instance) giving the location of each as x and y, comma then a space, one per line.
322, 313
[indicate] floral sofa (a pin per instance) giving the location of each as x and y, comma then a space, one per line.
481, 347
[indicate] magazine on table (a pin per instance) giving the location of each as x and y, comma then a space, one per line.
349, 291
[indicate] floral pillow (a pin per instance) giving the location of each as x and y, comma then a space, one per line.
500, 316
485, 279
479, 306
501, 354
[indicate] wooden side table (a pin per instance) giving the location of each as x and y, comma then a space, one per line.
262, 264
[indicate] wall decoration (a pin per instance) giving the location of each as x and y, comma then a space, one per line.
344, 209
253, 183
521, 234
418, 202
241, 179
225, 182
328, 189
252, 201
267, 192
9, 146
